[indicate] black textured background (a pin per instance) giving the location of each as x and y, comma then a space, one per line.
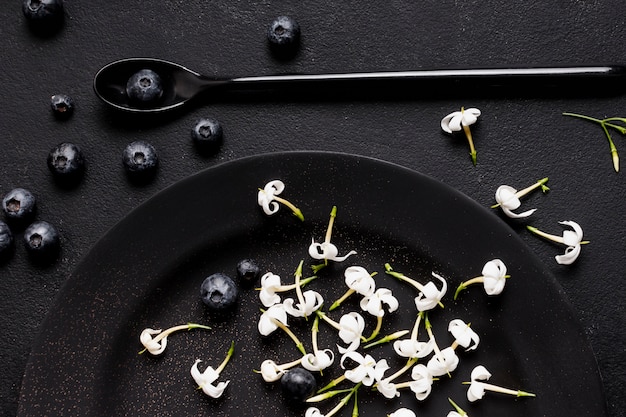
519, 138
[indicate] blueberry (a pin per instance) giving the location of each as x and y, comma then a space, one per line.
297, 385
219, 292
6, 241
283, 35
19, 205
44, 11
62, 106
207, 135
248, 271
66, 161
140, 159
42, 241
144, 87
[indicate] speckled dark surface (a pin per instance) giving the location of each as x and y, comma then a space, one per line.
519, 138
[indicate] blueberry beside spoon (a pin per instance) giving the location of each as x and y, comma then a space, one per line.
179, 85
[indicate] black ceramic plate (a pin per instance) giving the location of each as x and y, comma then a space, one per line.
146, 272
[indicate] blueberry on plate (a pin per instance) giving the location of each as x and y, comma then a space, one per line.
66, 161
42, 10
248, 271
207, 135
219, 292
42, 241
144, 87
140, 160
19, 205
297, 385
62, 106
6, 241
283, 35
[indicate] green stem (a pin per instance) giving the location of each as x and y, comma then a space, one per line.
467, 283
332, 384
231, 350
457, 408
342, 299
379, 325
296, 211
386, 339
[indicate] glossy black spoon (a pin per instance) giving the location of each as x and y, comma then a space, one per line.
181, 84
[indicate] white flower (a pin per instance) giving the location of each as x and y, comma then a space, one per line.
508, 198
327, 251
368, 370
358, 279
312, 301
461, 120
429, 296
268, 199
319, 360
351, 328
443, 362
571, 238
493, 278
205, 380
402, 412
477, 387
269, 284
387, 388
455, 121
412, 348
422, 382
272, 372
463, 334
313, 412
267, 321
373, 304
156, 345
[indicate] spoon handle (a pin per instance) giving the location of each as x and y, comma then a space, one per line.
575, 77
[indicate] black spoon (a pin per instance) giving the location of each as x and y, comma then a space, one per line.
181, 84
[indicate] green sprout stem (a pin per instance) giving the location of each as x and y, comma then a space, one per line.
332, 384
605, 123
298, 276
457, 408
541, 183
342, 299
165, 333
296, 211
389, 271
387, 339
293, 337
469, 282
327, 395
344, 401
379, 325
229, 355
548, 236
470, 141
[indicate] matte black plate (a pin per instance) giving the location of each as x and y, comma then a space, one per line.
146, 272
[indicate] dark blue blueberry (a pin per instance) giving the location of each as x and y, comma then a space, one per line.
283, 35
43, 10
62, 106
297, 385
140, 159
207, 135
144, 87
219, 292
19, 205
66, 161
42, 241
248, 271
6, 241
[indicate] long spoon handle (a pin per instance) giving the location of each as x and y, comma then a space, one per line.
540, 77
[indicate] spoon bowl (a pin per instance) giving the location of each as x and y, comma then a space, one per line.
180, 84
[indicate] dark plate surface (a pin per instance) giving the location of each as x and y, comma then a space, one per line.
146, 272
